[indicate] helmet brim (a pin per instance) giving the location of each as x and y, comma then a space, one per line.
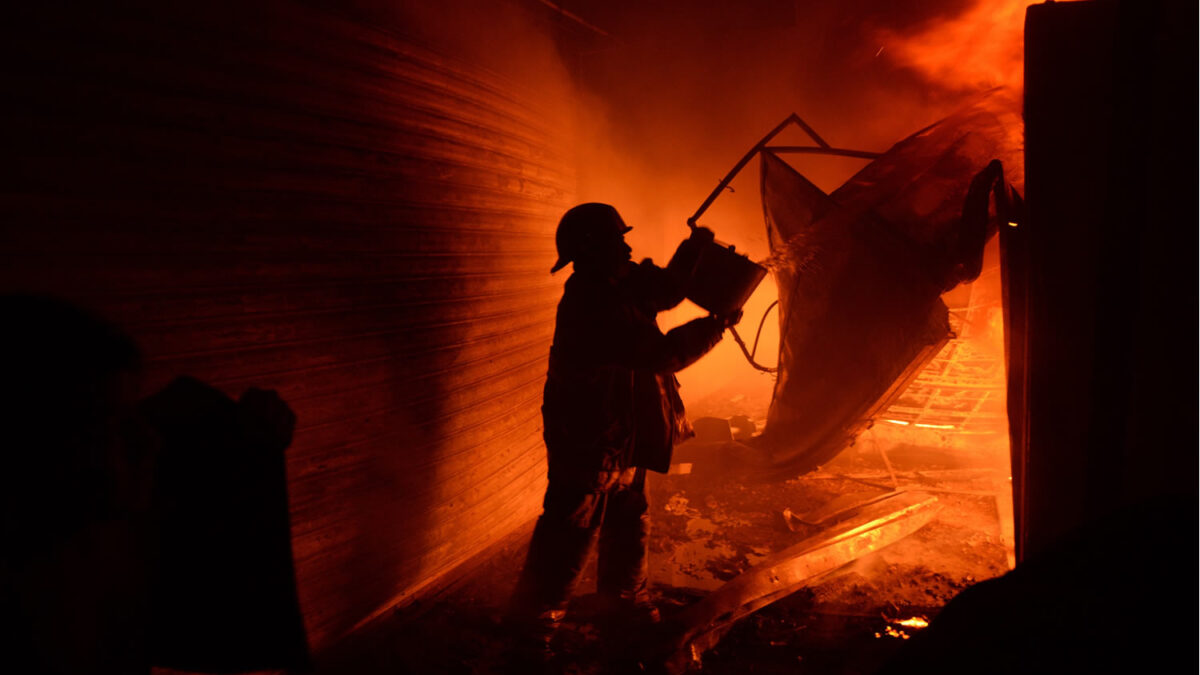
562, 262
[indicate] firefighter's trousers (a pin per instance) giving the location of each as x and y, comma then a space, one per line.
616, 510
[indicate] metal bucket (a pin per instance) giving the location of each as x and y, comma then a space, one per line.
723, 279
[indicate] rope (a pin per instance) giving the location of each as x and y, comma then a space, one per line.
758, 333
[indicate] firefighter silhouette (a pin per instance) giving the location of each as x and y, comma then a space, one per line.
611, 410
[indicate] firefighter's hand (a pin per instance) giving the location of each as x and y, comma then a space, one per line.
701, 235
729, 320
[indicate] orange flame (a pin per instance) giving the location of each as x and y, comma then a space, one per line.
982, 46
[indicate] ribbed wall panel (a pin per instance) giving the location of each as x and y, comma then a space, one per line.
287, 197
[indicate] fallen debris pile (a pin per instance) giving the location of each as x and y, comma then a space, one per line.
856, 531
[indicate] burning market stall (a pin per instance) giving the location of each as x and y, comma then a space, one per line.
861, 271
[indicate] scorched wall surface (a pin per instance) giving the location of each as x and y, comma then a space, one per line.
290, 197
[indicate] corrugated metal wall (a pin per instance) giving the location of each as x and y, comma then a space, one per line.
281, 196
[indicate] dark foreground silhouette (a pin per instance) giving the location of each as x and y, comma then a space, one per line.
137, 533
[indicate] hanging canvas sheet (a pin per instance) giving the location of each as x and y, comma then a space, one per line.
861, 271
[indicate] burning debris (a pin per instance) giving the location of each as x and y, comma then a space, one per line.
904, 581
718, 532
700, 626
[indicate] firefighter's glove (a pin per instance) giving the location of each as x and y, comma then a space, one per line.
729, 320
701, 235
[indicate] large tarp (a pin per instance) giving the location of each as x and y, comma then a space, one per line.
860, 274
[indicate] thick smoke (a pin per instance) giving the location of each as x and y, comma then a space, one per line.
660, 99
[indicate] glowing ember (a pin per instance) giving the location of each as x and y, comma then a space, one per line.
915, 622
892, 632
920, 424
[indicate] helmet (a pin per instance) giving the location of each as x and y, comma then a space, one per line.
584, 226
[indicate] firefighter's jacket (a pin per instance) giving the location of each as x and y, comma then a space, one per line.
611, 398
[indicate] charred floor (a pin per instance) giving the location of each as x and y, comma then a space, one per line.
707, 531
